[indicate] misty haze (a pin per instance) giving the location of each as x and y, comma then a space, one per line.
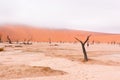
59, 40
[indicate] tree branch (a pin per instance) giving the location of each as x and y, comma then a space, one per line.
78, 40
87, 39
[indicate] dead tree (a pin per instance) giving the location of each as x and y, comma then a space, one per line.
9, 40
24, 42
50, 41
28, 41
17, 41
0, 39
83, 47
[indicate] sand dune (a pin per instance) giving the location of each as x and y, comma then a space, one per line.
21, 33
57, 61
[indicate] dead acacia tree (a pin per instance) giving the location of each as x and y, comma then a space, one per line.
83, 47
24, 41
50, 41
0, 38
9, 40
17, 41
28, 41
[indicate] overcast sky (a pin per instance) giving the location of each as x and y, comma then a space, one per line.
93, 15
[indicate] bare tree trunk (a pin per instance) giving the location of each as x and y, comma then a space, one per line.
50, 41
17, 41
0, 39
83, 47
28, 41
24, 42
85, 53
9, 40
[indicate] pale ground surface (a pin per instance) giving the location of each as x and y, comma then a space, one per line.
104, 63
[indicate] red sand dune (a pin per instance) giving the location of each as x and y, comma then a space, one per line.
21, 33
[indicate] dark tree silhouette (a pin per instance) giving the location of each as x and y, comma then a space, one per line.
28, 41
83, 47
50, 41
24, 41
17, 41
0, 38
9, 40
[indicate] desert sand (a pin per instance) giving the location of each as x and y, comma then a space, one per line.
59, 61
